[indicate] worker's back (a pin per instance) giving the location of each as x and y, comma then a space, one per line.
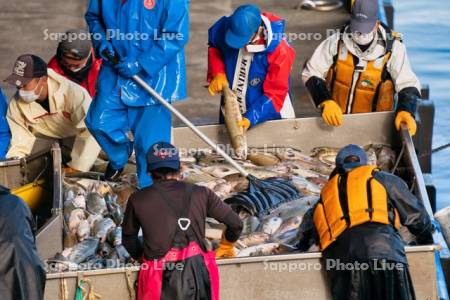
375, 239
21, 274
159, 224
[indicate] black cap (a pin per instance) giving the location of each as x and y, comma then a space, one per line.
76, 42
364, 16
26, 68
163, 155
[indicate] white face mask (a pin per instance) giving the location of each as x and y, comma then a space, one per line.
30, 96
363, 39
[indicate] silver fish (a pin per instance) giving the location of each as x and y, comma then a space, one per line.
69, 195
80, 201
83, 230
251, 223
326, 155
259, 250
92, 219
232, 115
253, 239
66, 252
263, 173
220, 170
305, 186
262, 159
84, 250
76, 216
114, 209
295, 208
223, 188
271, 225
96, 204
122, 253
102, 228
57, 265
371, 156
115, 236
105, 250
386, 159
286, 237
289, 224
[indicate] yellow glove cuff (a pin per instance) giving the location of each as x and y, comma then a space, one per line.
408, 119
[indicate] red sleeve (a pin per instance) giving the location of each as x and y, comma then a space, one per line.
53, 64
271, 17
276, 84
215, 63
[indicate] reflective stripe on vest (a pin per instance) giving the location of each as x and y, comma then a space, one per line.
365, 201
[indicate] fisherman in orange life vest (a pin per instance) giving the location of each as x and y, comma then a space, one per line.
359, 69
248, 52
356, 224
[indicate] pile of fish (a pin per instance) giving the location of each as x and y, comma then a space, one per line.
94, 210
277, 231
308, 172
93, 215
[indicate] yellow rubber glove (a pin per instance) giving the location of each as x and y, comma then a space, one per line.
217, 84
408, 119
244, 123
226, 249
331, 113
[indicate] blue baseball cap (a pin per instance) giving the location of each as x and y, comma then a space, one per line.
364, 16
243, 24
351, 150
163, 155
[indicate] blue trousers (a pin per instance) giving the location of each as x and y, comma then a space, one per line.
110, 121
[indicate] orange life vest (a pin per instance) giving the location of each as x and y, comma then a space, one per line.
374, 89
351, 200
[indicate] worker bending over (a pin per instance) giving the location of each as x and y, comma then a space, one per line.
248, 51
171, 214
359, 70
48, 104
356, 224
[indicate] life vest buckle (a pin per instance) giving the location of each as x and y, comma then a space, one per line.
360, 68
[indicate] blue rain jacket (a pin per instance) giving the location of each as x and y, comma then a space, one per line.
5, 134
152, 31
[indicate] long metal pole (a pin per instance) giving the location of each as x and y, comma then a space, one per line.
438, 238
189, 124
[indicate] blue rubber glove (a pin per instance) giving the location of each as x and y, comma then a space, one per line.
106, 46
128, 67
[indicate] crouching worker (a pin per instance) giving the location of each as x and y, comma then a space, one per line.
22, 275
48, 104
249, 52
356, 223
171, 214
360, 69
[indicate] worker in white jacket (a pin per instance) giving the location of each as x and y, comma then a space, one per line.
50, 105
359, 70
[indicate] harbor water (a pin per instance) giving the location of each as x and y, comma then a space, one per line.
425, 26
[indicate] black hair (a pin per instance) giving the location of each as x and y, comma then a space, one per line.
163, 173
